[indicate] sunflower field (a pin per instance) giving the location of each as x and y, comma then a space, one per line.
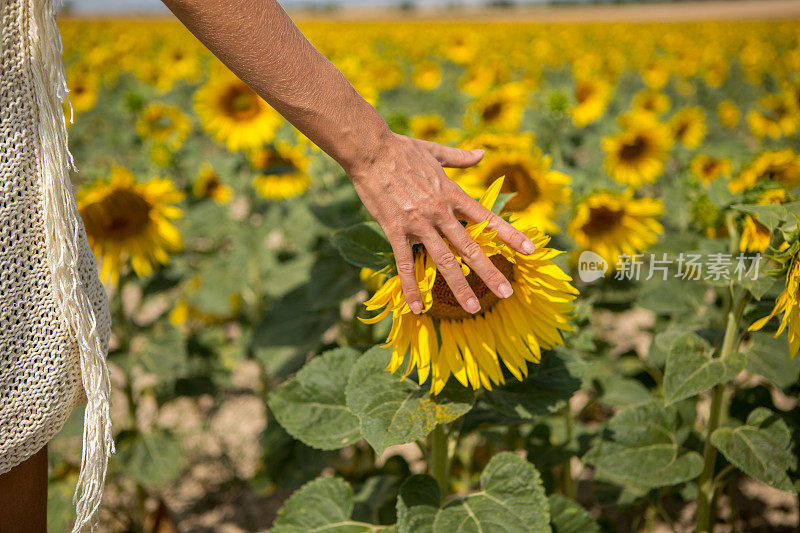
268, 374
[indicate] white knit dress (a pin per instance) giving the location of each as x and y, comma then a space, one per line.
54, 321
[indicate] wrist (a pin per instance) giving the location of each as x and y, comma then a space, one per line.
362, 144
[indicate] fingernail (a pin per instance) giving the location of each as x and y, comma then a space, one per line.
473, 306
416, 307
478, 151
505, 290
528, 247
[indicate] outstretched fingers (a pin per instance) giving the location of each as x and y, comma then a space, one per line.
472, 253
449, 267
404, 257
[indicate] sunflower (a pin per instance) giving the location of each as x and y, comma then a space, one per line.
208, 184
462, 47
637, 154
707, 217
656, 74
501, 142
372, 279
184, 311
83, 88
427, 75
282, 171
128, 220
592, 95
479, 78
708, 168
755, 235
775, 118
788, 304
430, 128
611, 224
500, 109
716, 73
780, 166
235, 115
539, 190
444, 339
652, 101
181, 59
161, 155
728, 113
164, 124
689, 126
773, 196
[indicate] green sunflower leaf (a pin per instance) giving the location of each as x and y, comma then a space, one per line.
417, 504
691, 369
547, 388
153, 459
394, 411
770, 215
763, 281
761, 448
324, 504
311, 406
502, 199
769, 358
642, 468
364, 245
511, 500
567, 516
645, 452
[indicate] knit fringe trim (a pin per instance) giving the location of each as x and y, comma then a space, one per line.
63, 230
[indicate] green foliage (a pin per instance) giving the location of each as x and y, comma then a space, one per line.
151, 459
392, 410
546, 389
511, 499
567, 516
766, 357
644, 452
502, 199
771, 215
691, 369
364, 245
761, 448
311, 406
324, 504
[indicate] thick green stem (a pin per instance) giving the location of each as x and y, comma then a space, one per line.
438, 466
705, 491
705, 483
567, 483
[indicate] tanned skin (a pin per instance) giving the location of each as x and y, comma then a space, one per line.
400, 180
23, 496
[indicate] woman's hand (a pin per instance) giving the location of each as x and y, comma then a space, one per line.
404, 188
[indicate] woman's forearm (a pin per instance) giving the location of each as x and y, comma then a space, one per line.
258, 41
400, 180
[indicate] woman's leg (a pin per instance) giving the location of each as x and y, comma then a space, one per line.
23, 496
